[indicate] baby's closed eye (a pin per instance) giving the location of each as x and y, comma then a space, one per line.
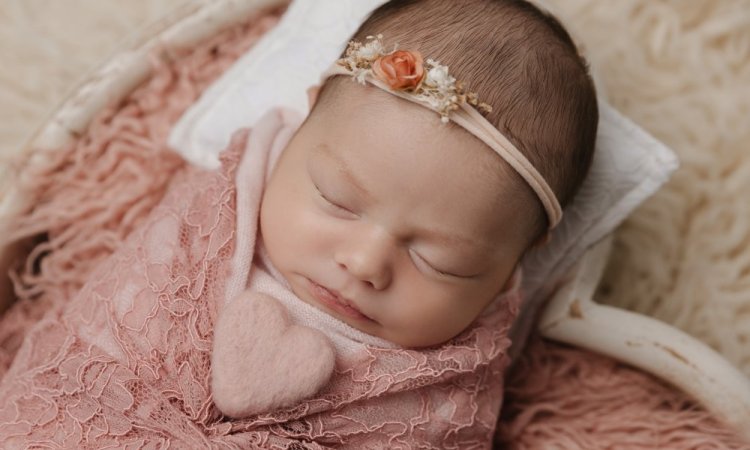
421, 261
335, 204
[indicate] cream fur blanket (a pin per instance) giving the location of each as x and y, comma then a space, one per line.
678, 68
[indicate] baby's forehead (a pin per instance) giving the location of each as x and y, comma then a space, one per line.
357, 112
363, 110
345, 99
405, 153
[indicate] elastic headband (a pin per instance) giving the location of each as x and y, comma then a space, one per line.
404, 74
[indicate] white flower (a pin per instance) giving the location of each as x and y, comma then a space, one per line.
438, 76
371, 51
360, 75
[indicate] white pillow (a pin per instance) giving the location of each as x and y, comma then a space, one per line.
276, 72
629, 165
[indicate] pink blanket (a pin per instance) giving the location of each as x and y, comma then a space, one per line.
64, 390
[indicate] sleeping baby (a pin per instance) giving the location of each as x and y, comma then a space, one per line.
345, 280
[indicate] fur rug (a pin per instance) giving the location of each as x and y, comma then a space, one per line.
680, 69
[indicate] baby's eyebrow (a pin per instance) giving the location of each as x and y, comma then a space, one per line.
434, 234
344, 169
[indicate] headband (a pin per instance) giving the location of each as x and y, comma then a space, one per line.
428, 83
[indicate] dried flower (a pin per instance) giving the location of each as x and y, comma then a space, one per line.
400, 70
438, 76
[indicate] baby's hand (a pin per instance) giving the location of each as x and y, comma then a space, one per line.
261, 361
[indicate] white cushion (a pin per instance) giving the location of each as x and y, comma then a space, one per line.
629, 165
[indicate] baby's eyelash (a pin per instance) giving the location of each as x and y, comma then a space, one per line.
445, 273
440, 272
335, 205
463, 277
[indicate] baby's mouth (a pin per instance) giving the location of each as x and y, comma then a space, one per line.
333, 300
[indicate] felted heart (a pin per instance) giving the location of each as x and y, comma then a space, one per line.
261, 361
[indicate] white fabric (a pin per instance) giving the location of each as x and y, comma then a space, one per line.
276, 72
629, 165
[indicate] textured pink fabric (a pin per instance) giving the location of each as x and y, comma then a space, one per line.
89, 195
126, 361
559, 397
566, 398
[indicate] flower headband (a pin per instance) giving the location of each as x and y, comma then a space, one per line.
405, 74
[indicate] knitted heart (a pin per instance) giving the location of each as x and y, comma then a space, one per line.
261, 361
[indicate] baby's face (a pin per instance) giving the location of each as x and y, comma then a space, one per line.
390, 221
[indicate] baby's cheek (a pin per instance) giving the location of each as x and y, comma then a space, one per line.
278, 219
426, 315
314, 227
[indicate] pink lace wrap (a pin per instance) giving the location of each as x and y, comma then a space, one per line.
126, 361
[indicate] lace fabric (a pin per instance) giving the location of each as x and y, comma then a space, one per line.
87, 196
126, 362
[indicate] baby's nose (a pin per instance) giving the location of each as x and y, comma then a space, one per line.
367, 255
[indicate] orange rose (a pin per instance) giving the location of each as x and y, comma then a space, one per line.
400, 70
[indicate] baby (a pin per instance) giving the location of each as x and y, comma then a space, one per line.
344, 282
402, 226
402, 207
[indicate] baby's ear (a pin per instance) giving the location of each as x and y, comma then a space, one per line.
312, 95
